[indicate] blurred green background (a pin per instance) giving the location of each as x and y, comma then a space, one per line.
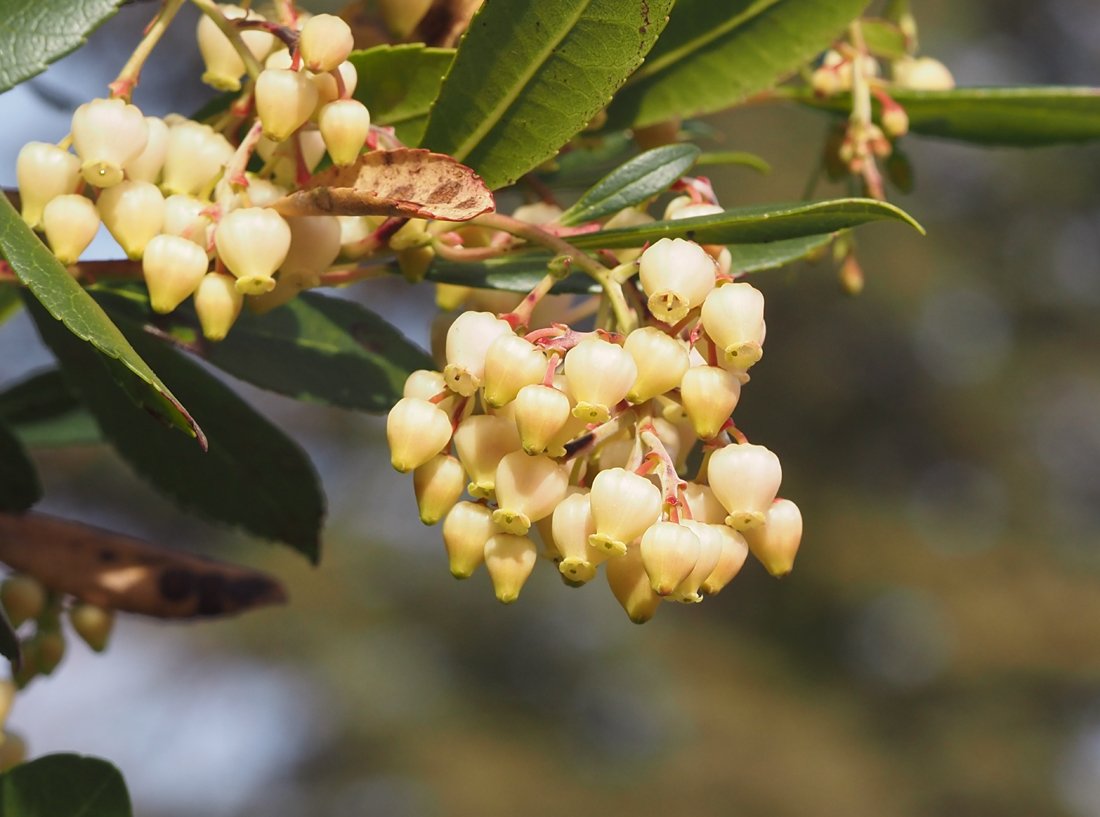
936, 651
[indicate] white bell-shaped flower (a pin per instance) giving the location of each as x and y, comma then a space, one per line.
107, 134
775, 543
43, 172
600, 375
709, 395
468, 340
733, 317
133, 212
344, 125
527, 489
669, 552
710, 539
188, 217
314, 245
511, 362
745, 478
509, 558
217, 303
624, 505
572, 525
70, 222
734, 552
416, 430
481, 442
676, 275
466, 529
147, 165
922, 74
224, 66
252, 242
438, 485
173, 268
325, 42
703, 504
661, 361
196, 156
285, 100
630, 584
541, 413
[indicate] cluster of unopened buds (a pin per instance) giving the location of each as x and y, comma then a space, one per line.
176, 193
580, 437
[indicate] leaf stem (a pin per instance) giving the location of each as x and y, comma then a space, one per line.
127, 79
233, 34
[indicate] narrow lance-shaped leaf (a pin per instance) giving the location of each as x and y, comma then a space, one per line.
316, 348
641, 178
43, 411
64, 784
19, 485
253, 475
34, 33
1022, 117
715, 54
64, 300
530, 74
126, 574
399, 83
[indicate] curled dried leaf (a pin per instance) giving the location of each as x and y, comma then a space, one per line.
407, 182
122, 573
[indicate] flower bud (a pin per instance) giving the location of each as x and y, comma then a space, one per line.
624, 505
703, 504
70, 223
416, 430
133, 212
481, 442
327, 88
630, 585
224, 65
572, 524
23, 597
466, 530
734, 552
147, 165
196, 155
661, 361
510, 364
527, 489
676, 275
468, 340
252, 242
93, 624
775, 544
922, 74
438, 484
344, 125
188, 217
44, 172
325, 42
541, 413
745, 478
284, 102
600, 375
710, 539
217, 303
669, 552
107, 134
173, 268
709, 396
733, 317
510, 558
49, 650
314, 245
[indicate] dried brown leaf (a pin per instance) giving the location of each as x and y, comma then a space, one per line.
407, 182
121, 573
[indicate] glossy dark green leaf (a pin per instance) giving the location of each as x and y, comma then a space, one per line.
34, 33
715, 54
587, 160
529, 74
64, 785
753, 225
44, 411
399, 83
646, 175
1021, 117
884, 39
253, 476
762, 257
733, 157
317, 348
19, 485
10, 302
64, 299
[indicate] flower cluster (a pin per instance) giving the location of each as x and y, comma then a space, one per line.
580, 437
176, 194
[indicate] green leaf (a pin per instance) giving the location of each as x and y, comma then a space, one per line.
34, 33
64, 785
19, 485
252, 476
588, 160
752, 225
884, 39
734, 157
10, 647
43, 411
641, 178
399, 83
10, 302
715, 54
762, 257
529, 74
1021, 117
316, 348
64, 299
